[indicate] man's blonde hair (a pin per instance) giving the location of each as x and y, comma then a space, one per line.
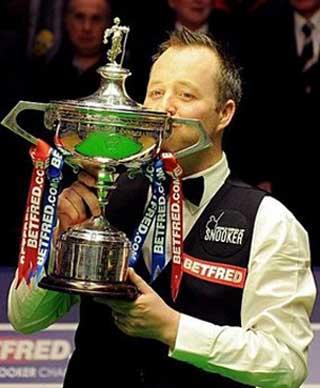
228, 79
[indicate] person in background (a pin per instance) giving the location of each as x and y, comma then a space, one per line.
44, 30
277, 145
72, 72
14, 83
241, 316
192, 14
196, 15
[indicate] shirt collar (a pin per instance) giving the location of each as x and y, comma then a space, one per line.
214, 177
300, 20
316, 20
204, 28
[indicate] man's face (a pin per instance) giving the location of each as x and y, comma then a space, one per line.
306, 7
191, 13
182, 83
86, 21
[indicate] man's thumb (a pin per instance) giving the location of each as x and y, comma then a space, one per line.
137, 280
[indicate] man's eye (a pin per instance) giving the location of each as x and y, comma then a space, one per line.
187, 96
98, 19
79, 17
156, 93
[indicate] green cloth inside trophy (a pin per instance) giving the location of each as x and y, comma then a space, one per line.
108, 145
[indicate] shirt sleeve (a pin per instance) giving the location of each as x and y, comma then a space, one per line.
31, 309
270, 347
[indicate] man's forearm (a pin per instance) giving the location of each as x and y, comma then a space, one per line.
33, 309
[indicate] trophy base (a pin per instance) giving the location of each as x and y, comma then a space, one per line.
119, 290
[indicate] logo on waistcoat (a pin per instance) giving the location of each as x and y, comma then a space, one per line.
224, 232
226, 274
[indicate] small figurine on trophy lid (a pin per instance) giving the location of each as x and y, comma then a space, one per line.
97, 133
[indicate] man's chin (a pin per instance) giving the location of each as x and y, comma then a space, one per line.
166, 148
173, 148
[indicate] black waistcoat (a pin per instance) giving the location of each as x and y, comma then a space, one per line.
217, 251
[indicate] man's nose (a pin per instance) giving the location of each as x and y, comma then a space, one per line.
168, 104
172, 110
87, 24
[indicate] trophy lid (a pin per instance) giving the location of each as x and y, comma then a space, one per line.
111, 93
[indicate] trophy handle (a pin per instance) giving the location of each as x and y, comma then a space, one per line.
10, 121
203, 142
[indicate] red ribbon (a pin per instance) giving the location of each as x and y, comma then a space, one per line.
173, 168
32, 218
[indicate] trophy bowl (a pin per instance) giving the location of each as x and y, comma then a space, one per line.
92, 257
99, 134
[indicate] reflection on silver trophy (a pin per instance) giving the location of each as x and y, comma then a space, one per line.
99, 133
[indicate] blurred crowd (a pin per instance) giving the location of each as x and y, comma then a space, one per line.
52, 49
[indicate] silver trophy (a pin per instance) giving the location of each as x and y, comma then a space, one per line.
99, 133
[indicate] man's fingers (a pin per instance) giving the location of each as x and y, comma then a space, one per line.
118, 316
120, 306
87, 179
137, 280
68, 212
88, 197
73, 202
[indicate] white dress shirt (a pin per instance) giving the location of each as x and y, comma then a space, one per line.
270, 347
299, 22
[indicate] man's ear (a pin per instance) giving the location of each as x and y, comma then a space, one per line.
226, 114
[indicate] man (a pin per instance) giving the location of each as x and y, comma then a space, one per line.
191, 14
278, 145
44, 29
241, 317
72, 72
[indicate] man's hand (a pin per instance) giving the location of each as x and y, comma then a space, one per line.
74, 202
148, 316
